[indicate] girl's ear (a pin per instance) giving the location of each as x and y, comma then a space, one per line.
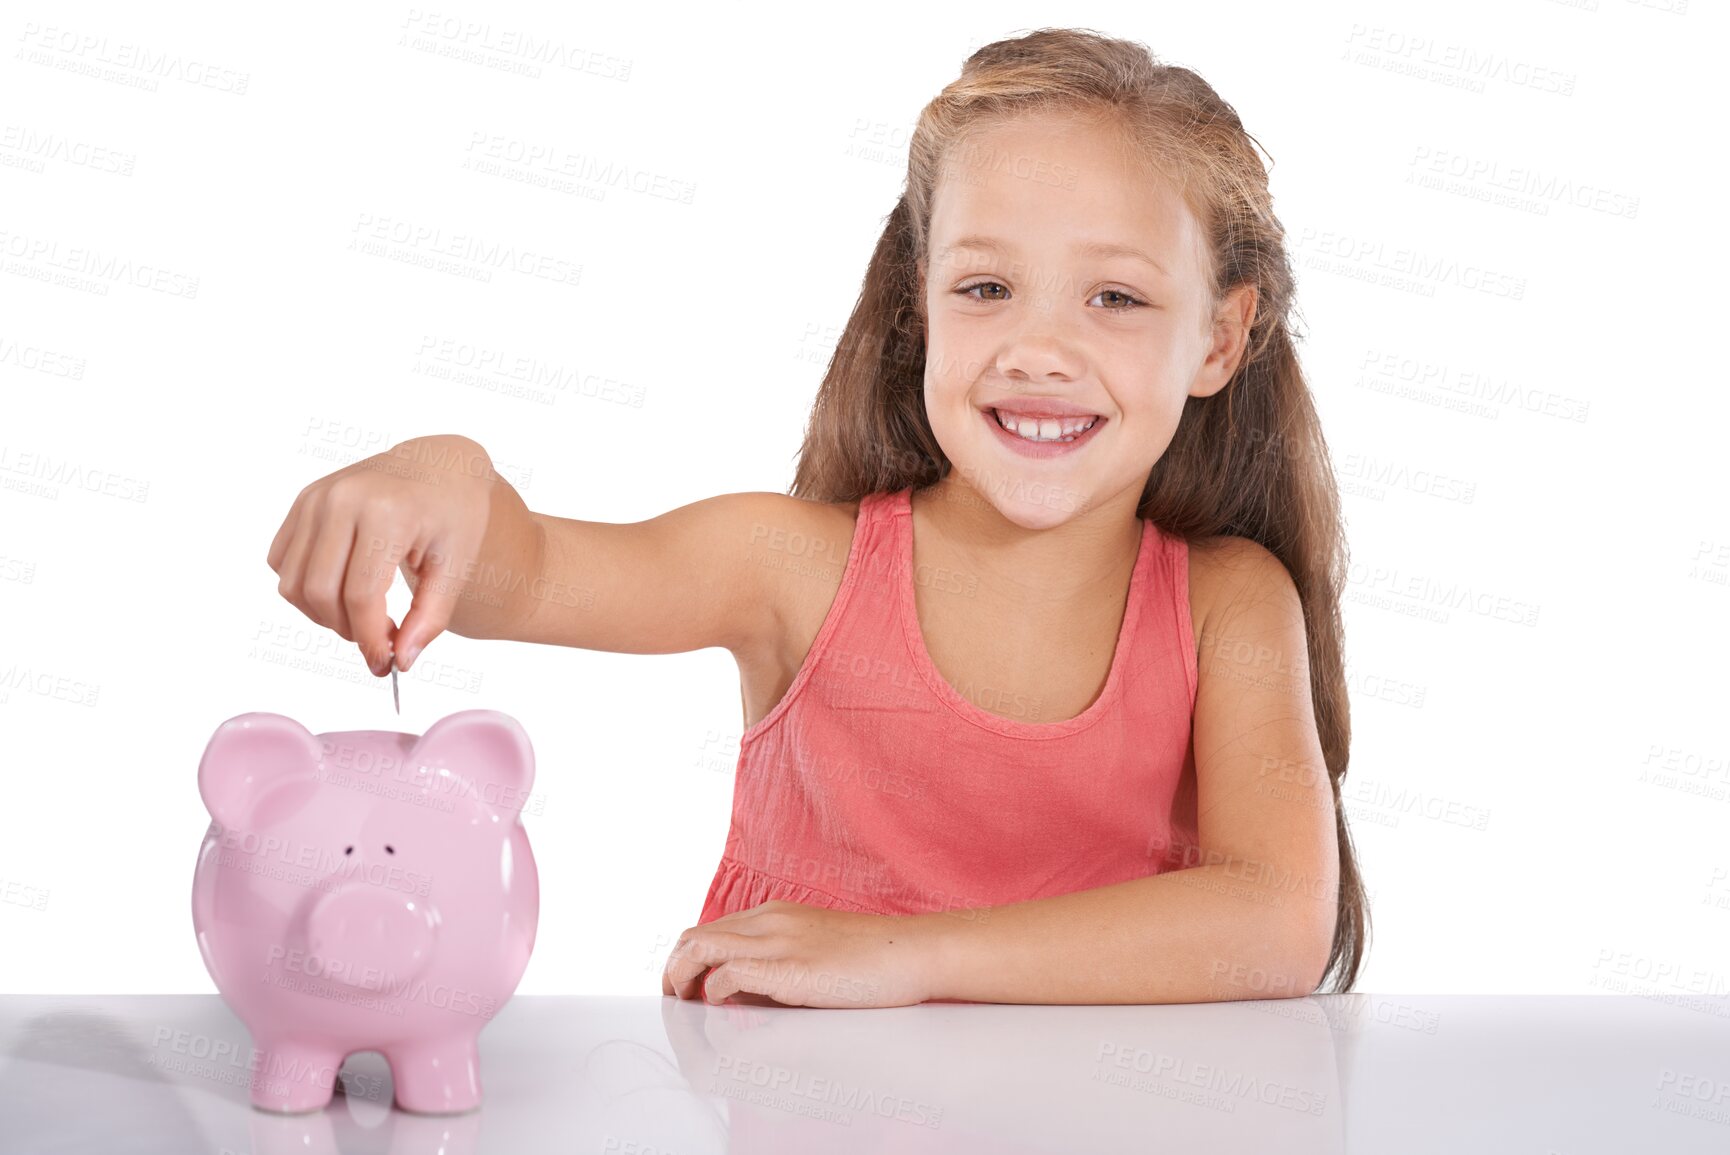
1231, 326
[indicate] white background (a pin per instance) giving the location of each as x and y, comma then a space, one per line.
1587, 750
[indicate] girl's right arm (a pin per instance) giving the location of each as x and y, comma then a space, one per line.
483, 565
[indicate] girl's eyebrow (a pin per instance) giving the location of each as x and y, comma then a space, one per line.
1091, 249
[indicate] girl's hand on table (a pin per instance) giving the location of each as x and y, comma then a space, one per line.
806, 956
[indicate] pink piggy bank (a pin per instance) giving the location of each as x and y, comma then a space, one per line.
366, 890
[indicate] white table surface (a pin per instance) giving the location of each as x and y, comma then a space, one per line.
660, 1076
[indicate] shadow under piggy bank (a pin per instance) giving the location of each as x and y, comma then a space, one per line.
366, 890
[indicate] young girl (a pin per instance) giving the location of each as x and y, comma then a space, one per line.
1041, 656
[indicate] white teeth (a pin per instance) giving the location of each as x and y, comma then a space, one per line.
1045, 428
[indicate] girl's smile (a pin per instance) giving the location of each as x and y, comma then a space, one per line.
1044, 436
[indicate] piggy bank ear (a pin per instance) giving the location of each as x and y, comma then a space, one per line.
485, 748
248, 755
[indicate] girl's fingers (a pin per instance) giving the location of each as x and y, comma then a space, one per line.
747, 977
699, 949
435, 596
291, 573
363, 595
284, 534
325, 579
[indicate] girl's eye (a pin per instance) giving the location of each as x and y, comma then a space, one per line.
1133, 303
1129, 301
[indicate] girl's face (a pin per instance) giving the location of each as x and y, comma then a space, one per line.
1035, 307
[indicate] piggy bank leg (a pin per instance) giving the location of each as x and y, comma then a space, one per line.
294, 1076
438, 1076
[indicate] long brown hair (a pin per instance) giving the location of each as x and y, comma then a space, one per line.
1249, 460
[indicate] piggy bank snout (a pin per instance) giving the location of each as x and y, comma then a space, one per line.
370, 938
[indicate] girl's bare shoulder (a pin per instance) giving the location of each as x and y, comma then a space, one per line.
818, 531
1225, 568
801, 546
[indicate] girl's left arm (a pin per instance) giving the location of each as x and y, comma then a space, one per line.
1254, 920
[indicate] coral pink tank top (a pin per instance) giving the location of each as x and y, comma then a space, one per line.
874, 785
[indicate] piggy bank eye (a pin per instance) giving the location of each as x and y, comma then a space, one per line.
390, 850
350, 850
